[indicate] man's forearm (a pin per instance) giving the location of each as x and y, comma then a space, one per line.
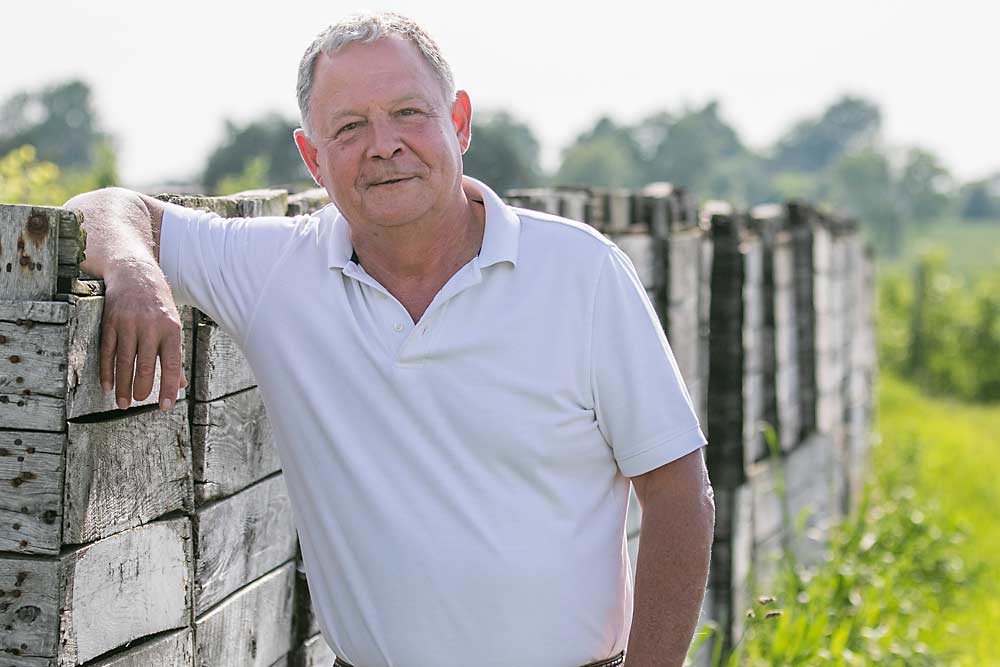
140, 323
671, 574
119, 229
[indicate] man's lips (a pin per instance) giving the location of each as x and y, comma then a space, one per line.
390, 181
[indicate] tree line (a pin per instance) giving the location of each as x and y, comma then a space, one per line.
836, 157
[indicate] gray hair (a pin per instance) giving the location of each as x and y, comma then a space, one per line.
367, 28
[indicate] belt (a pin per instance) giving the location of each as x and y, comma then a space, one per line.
615, 661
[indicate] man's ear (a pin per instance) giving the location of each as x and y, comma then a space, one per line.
308, 152
461, 117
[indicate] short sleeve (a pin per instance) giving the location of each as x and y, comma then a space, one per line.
643, 408
221, 265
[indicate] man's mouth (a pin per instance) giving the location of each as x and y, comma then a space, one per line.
392, 181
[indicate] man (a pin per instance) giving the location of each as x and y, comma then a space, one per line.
459, 391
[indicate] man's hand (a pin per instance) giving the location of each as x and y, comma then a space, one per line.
140, 323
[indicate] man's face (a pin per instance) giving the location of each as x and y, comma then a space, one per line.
386, 145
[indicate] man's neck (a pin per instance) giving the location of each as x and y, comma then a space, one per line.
414, 261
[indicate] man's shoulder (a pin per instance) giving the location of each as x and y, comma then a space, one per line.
553, 233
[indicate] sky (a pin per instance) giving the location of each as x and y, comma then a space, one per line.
165, 79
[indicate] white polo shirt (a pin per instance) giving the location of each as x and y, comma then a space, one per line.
460, 484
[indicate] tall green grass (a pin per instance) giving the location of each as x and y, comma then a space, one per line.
912, 577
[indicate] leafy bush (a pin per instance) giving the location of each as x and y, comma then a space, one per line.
940, 332
891, 575
24, 179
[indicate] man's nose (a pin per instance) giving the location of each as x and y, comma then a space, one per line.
385, 140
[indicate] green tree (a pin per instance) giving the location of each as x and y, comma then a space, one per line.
862, 183
267, 137
978, 202
696, 149
815, 143
924, 186
606, 156
59, 121
504, 152
26, 179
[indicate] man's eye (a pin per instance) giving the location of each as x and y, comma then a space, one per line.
350, 126
409, 112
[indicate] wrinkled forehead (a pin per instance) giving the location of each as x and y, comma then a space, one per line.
374, 72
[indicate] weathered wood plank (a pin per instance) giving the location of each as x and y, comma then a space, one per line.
240, 538
248, 204
29, 609
32, 358
26, 661
256, 203
29, 254
232, 445
173, 650
220, 368
308, 201
125, 472
39, 312
39, 413
126, 586
31, 499
252, 628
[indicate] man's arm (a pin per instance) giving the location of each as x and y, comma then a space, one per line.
140, 321
675, 540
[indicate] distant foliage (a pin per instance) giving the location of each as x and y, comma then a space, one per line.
59, 121
25, 179
504, 152
816, 143
268, 137
980, 200
940, 332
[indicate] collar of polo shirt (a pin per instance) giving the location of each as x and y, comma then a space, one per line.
500, 238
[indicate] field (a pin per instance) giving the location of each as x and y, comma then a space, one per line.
954, 468
972, 247
912, 578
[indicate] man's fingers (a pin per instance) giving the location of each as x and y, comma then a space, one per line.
124, 365
145, 367
107, 363
171, 373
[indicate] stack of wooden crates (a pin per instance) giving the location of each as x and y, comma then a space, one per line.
136, 538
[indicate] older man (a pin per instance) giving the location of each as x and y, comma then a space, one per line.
460, 391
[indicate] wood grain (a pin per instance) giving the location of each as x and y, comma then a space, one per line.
252, 628
240, 538
232, 445
29, 252
31, 499
125, 587
172, 650
29, 608
124, 472
220, 368
308, 201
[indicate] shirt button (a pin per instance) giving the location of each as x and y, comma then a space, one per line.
397, 327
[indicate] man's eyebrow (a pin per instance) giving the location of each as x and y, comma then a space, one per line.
396, 102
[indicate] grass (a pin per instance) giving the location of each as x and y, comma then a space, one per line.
956, 474
912, 578
973, 247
